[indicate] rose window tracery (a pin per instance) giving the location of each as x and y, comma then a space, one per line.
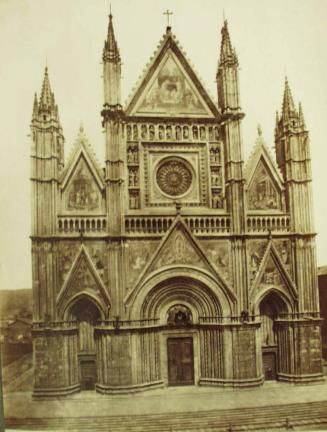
174, 177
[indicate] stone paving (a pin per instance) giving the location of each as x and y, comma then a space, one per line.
166, 400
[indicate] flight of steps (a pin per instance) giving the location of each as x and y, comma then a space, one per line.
18, 375
278, 417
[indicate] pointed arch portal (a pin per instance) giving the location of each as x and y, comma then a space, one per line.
271, 306
86, 313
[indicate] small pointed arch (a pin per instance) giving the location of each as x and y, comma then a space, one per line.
278, 300
80, 303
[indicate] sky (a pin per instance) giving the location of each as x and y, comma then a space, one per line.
272, 39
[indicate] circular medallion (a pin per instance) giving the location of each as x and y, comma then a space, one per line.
174, 177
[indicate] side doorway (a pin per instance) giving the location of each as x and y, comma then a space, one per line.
86, 314
270, 307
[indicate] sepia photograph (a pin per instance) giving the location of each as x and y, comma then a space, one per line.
163, 238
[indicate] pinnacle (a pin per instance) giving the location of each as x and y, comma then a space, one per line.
301, 116
35, 106
227, 52
111, 50
288, 103
47, 97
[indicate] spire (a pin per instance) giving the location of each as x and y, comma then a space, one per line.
47, 97
227, 53
288, 108
46, 108
111, 51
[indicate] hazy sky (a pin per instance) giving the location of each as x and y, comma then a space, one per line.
272, 38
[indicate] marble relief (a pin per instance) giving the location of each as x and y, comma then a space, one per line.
256, 250
177, 250
285, 253
219, 256
139, 253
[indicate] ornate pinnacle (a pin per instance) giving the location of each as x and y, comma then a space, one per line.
47, 97
227, 53
111, 51
288, 108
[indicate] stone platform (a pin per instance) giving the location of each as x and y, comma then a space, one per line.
274, 406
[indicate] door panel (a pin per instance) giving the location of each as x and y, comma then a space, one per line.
180, 361
88, 374
269, 365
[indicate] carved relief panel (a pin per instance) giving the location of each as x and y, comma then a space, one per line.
218, 253
256, 250
68, 252
177, 250
284, 248
139, 253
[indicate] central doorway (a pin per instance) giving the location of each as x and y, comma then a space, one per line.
180, 361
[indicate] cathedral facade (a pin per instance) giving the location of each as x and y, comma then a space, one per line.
173, 263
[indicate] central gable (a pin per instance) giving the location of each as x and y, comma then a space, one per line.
171, 88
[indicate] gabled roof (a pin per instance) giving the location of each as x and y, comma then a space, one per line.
83, 254
169, 46
194, 248
272, 252
82, 148
261, 152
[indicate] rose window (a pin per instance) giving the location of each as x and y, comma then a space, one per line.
174, 177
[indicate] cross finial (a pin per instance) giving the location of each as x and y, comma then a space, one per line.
168, 13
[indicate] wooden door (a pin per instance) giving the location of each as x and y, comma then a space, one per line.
180, 361
269, 365
88, 373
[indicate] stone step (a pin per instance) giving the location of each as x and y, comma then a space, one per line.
257, 418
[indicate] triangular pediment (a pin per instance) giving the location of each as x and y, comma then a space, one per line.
83, 278
264, 183
170, 87
82, 149
179, 248
82, 192
273, 273
81, 181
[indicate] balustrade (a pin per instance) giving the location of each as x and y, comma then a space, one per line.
82, 224
264, 223
160, 224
